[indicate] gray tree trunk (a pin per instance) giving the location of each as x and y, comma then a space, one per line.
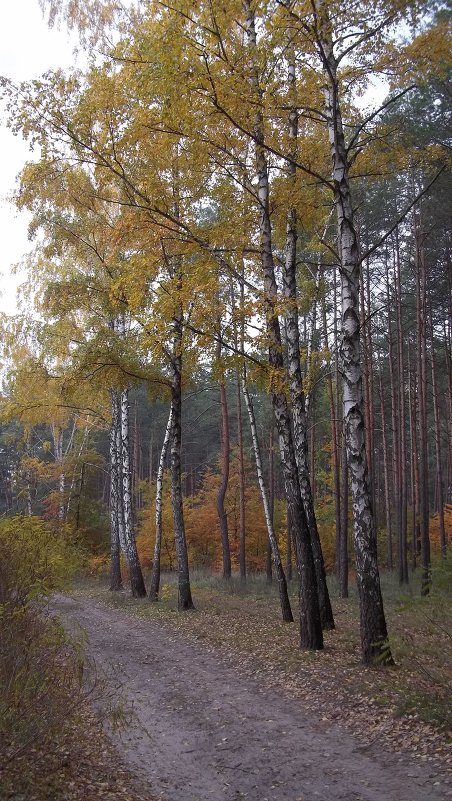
133, 563
294, 366
421, 313
115, 546
221, 511
374, 635
439, 466
155, 575
310, 623
185, 600
402, 490
281, 578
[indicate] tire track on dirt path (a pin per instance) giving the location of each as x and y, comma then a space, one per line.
203, 732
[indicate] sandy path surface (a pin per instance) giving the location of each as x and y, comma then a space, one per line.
203, 732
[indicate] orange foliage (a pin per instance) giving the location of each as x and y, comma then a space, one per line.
202, 526
434, 527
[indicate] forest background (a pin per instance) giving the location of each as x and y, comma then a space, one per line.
195, 250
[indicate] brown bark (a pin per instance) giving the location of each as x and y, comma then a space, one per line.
439, 466
402, 488
222, 516
394, 416
422, 404
242, 529
185, 601
415, 499
386, 479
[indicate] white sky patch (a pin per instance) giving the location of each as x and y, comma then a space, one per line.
27, 49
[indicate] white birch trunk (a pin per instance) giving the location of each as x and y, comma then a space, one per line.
136, 578
310, 624
294, 367
282, 584
115, 505
374, 645
155, 576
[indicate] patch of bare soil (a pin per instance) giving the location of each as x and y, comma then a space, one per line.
212, 722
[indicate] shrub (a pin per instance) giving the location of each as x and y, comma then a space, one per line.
40, 667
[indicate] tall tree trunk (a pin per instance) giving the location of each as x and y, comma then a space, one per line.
271, 503
366, 382
279, 570
422, 401
448, 354
222, 516
311, 635
370, 392
343, 538
185, 601
57, 436
115, 490
242, 529
415, 496
242, 500
439, 467
386, 479
394, 417
297, 396
28, 477
289, 547
403, 554
155, 575
340, 438
374, 636
133, 563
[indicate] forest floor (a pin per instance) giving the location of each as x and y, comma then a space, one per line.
220, 704
224, 706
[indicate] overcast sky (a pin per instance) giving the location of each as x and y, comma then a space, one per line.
27, 49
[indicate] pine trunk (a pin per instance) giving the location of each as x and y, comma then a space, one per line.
439, 466
386, 480
242, 530
422, 401
402, 527
221, 511
394, 419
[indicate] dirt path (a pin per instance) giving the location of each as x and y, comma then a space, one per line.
204, 733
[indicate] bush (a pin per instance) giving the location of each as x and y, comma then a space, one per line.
40, 667
35, 561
